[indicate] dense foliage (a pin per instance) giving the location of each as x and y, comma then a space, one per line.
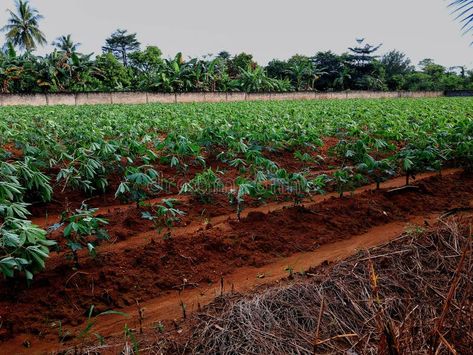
124, 67
66, 70
49, 150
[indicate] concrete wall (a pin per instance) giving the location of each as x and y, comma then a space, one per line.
144, 97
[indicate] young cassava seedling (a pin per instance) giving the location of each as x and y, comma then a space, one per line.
84, 229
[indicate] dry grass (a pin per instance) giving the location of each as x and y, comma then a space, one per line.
413, 295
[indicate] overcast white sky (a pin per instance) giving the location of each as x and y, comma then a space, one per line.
265, 28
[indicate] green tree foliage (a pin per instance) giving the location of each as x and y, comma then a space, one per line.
240, 62
396, 66
367, 74
66, 70
111, 73
120, 43
66, 44
22, 28
333, 66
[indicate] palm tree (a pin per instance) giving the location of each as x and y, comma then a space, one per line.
464, 13
22, 28
66, 44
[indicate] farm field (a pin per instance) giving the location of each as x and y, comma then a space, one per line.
108, 210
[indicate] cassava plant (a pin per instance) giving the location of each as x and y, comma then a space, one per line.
164, 215
84, 229
204, 185
378, 170
345, 180
139, 183
24, 247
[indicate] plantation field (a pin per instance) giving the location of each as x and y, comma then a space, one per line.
106, 210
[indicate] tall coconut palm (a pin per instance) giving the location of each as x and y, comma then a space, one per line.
463, 9
22, 28
66, 44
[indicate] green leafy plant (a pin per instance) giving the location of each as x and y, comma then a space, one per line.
345, 180
84, 229
179, 150
420, 157
34, 180
351, 150
237, 197
24, 247
92, 320
139, 183
164, 215
303, 157
378, 170
203, 185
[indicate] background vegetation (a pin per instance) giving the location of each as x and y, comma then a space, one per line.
124, 66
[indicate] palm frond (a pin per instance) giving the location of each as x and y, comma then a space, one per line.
463, 11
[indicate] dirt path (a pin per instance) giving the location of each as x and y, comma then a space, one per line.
243, 280
247, 278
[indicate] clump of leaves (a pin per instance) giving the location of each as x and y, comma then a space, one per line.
179, 150
33, 180
164, 215
237, 196
85, 169
414, 159
84, 230
350, 150
345, 180
378, 170
204, 185
303, 157
24, 247
138, 184
295, 184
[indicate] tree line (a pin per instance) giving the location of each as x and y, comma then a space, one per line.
124, 66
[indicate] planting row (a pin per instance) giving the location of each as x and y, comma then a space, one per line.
251, 152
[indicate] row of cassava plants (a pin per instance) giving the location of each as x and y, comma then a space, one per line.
61, 149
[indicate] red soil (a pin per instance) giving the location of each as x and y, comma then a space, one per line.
139, 264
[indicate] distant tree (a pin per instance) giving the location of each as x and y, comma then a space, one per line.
66, 44
240, 62
147, 60
120, 43
333, 66
363, 56
432, 77
396, 66
303, 72
429, 67
396, 63
224, 55
277, 69
112, 73
22, 28
147, 65
362, 62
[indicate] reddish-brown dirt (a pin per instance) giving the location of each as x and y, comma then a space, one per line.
137, 264
68, 199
